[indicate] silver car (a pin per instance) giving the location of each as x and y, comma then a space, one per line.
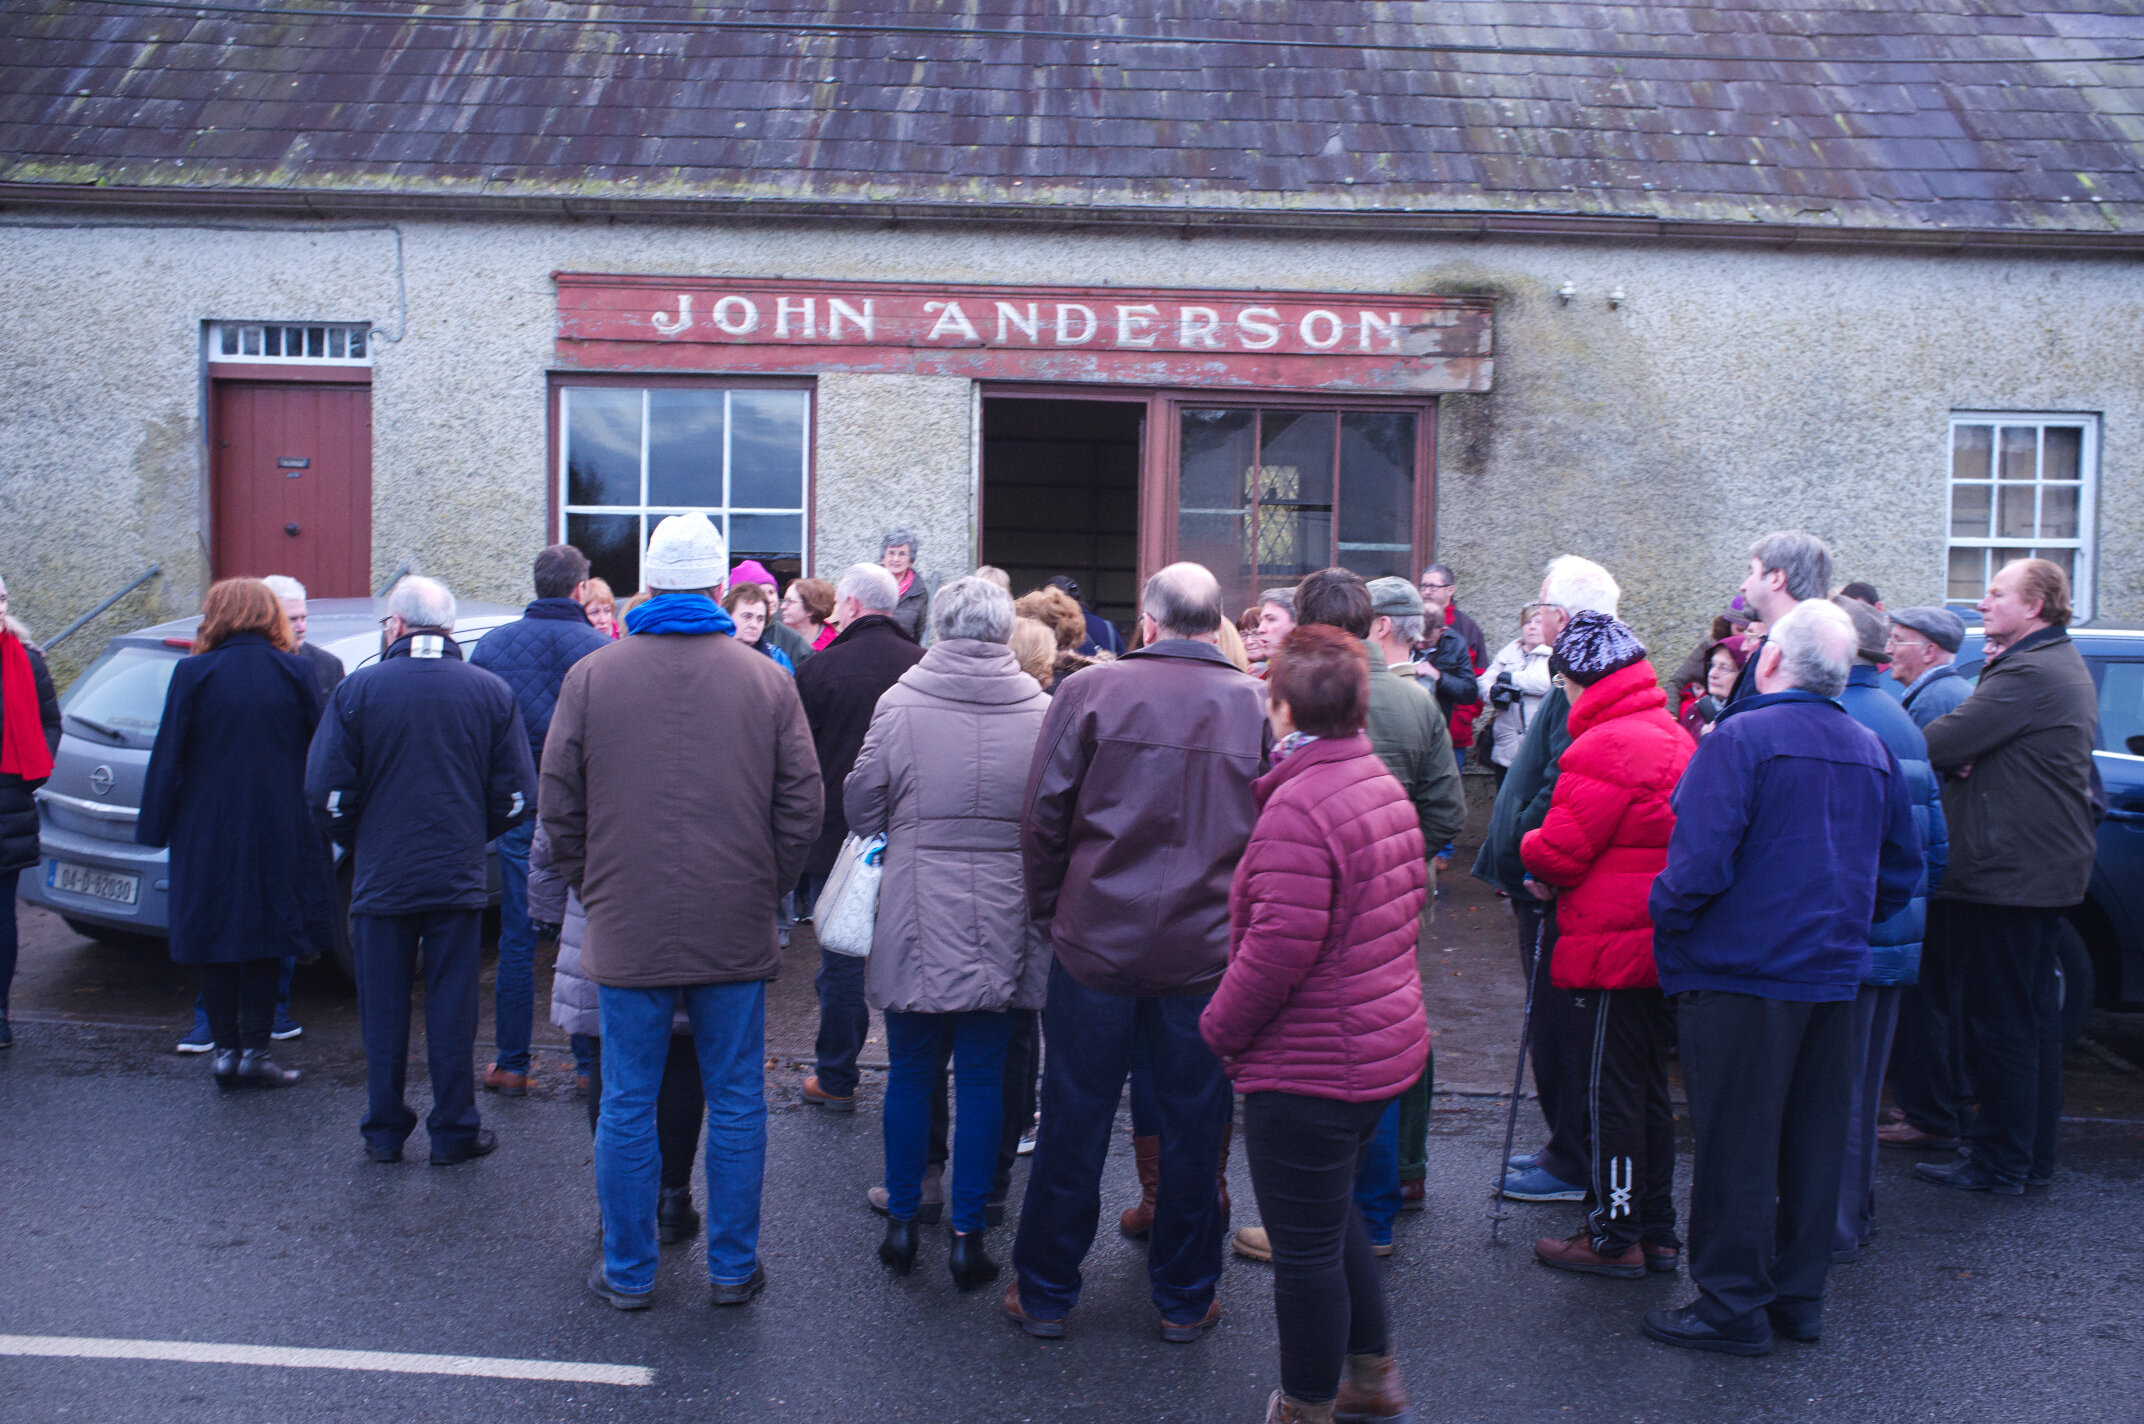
90, 871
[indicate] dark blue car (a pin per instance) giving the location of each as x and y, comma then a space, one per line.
2105, 963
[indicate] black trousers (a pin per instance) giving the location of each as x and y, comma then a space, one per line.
1562, 1054
1769, 1082
2013, 1017
680, 1106
1928, 1058
1328, 1289
1632, 1166
240, 999
1023, 1062
387, 950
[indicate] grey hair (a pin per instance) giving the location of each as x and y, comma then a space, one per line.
422, 603
1803, 558
1185, 599
284, 586
1407, 627
895, 538
871, 586
972, 608
1816, 647
1578, 585
1285, 597
1445, 569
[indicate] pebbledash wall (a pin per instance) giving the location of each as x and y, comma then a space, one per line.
1729, 391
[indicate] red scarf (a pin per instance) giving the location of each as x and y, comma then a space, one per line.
23, 751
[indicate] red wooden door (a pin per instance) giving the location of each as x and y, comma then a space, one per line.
292, 484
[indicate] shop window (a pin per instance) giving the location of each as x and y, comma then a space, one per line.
287, 343
2021, 487
629, 456
1267, 495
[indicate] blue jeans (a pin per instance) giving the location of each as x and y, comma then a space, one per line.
729, 1032
844, 1021
1377, 1177
513, 998
913, 1045
1090, 1036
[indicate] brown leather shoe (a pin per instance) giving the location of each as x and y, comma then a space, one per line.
819, 1098
1662, 1260
1576, 1253
1414, 1195
1017, 1313
1186, 1332
1252, 1243
1138, 1219
1370, 1391
1286, 1409
505, 1084
1905, 1134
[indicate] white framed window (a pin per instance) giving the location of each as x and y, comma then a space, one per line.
630, 455
292, 343
2022, 485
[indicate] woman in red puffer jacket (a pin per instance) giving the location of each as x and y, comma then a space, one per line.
1318, 1019
1605, 839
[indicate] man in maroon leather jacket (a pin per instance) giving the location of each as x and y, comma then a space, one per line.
1138, 808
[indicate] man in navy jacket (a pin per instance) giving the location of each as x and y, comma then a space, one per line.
531, 655
419, 761
1794, 833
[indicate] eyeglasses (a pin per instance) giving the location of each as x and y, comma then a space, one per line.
1894, 641
1439, 586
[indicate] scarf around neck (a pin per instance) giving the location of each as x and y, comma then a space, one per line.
1289, 745
23, 751
689, 613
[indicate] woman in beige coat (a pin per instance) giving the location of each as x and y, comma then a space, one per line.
942, 774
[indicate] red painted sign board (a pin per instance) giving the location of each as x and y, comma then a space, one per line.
1263, 340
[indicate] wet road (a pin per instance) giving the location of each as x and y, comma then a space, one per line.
137, 1203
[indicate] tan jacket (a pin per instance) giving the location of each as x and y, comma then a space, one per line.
680, 793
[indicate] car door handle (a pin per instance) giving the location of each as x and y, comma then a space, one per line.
2125, 815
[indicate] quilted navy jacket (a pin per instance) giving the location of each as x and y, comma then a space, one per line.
1895, 944
532, 655
1322, 995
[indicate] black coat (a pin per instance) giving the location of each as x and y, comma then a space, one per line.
420, 760
250, 877
18, 798
328, 670
840, 688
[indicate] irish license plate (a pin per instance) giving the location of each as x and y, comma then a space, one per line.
97, 884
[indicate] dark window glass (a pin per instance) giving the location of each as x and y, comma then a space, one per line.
1377, 494
612, 544
767, 449
685, 447
765, 536
1293, 489
603, 447
1213, 496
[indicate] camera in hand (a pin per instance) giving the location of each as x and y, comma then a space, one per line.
1504, 692
1709, 708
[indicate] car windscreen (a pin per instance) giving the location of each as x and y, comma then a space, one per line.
119, 699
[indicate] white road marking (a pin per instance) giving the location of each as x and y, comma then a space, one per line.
83, 1347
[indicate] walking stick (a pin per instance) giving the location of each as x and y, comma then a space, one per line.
1498, 1211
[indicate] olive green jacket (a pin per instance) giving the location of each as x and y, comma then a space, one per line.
1411, 736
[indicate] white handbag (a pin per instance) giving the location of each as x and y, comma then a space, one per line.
847, 912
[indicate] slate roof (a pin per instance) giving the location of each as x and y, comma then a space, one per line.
1927, 116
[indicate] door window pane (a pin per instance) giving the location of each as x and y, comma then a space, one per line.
612, 544
1293, 494
603, 447
1377, 494
767, 449
1213, 497
685, 448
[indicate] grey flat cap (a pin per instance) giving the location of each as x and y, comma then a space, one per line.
1395, 598
1938, 625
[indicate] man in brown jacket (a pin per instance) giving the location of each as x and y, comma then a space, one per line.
2018, 754
1138, 808
680, 794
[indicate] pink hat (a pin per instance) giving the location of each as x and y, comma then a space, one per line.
752, 571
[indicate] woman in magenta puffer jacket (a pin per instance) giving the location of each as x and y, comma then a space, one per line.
1318, 1019
1604, 841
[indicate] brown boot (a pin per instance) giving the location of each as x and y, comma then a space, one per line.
1577, 1253
1138, 1220
504, 1082
1228, 1134
1287, 1409
1370, 1391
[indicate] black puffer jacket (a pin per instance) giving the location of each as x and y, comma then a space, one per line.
18, 804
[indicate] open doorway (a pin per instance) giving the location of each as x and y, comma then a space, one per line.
1061, 496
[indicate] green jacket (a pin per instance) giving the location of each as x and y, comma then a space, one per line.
1412, 737
1522, 801
2021, 828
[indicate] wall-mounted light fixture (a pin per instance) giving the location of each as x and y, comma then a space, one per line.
1616, 298
1566, 292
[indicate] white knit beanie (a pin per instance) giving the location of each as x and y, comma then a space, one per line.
685, 552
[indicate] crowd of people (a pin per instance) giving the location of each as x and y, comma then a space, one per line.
1811, 860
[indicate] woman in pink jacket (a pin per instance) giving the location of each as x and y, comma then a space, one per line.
1319, 1018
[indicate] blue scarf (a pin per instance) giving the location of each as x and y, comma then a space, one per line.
690, 613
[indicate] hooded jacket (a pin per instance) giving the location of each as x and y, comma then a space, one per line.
942, 773
1895, 943
420, 760
531, 655
2021, 823
1323, 996
1794, 834
1138, 806
1606, 834
840, 689
680, 794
